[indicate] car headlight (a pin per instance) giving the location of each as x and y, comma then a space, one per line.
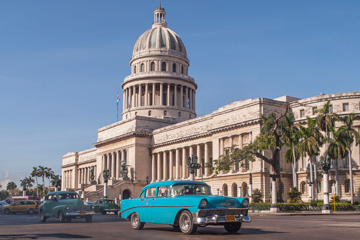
67, 208
245, 202
92, 207
203, 203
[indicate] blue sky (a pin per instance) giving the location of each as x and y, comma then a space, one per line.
62, 63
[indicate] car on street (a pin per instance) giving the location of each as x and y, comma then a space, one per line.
29, 206
65, 206
3, 204
105, 205
186, 205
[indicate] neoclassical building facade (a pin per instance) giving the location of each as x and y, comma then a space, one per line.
160, 129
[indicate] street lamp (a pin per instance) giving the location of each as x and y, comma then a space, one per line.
325, 166
192, 166
308, 181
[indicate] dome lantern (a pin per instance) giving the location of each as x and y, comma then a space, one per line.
159, 16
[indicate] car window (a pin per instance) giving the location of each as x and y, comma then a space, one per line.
109, 201
30, 203
48, 197
53, 197
190, 189
150, 192
68, 196
163, 191
99, 202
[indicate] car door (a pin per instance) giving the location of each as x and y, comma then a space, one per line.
160, 206
144, 208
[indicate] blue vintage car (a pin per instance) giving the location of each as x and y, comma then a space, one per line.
186, 205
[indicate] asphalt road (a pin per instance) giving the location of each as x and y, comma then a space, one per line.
26, 226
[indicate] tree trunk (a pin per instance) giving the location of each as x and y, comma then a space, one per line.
311, 181
295, 182
37, 189
336, 178
315, 182
351, 178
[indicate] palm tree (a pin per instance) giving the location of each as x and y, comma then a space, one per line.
35, 173
41, 173
48, 174
290, 139
11, 186
40, 187
352, 135
310, 143
56, 181
29, 181
338, 149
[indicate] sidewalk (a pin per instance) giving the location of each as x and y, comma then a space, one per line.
304, 213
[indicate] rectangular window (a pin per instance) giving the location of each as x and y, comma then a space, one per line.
330, 108
345, 107
314, 110
163, 191
346, 163
302, 113
150, 192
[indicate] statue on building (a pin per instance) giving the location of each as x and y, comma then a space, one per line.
92, 175
124, 170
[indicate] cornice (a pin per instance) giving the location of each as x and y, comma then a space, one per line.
122, 137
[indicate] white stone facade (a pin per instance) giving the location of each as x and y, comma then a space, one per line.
160, 130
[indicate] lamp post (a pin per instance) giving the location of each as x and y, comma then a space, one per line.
192, 166
82, 191
250, 187
325, 166
308, 181
106, 177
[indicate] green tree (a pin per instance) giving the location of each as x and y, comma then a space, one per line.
256, 195
11, 186
291, 138
4, 194
56, 181
311, 140
48, 174
294, 195
35, 173
353, 135
41, 173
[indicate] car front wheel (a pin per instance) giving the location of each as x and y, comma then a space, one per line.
232, 227
31, 211
61, 217
42, 217
135, 222
186, 223
7, 211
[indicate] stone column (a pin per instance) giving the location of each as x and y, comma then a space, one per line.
168, 95
153, 169
158, 167
198, 153
113, 169
124, 100
175, 95
170, 165
153, 94
146, 94
221, 147
133, 97
181, 96
188, 97
161, 94
165, 166
184, 168
140, 93
194, 100
207, 159
117, 164
108, 164
177, 164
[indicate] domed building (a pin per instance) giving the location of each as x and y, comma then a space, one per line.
159, 130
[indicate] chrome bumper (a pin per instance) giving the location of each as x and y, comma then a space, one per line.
75, 214
214, 220
111, 210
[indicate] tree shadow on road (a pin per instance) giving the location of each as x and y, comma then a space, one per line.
42, 236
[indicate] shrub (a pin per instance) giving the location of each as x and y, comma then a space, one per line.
294, 195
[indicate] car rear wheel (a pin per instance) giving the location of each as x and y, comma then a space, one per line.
186, 223
88, 219
42, 217
135, 222
61, 217
232, 227
7, 211
31, 211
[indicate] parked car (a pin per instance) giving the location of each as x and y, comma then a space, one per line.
105, 205
29, 206
186, 205
65, 206
3, 204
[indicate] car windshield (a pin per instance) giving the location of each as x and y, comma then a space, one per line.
68, 196
190, 189
109, 201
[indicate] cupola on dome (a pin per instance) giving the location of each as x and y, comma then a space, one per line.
159, 39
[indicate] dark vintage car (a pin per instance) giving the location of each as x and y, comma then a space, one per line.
65, 206
105, 205
186, 205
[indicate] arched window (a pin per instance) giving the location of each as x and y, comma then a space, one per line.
149, 113
152, 66
179, 114
234, 190
182, 69
332, 185
174, 67
244, 190
134, 69
225, 189
165, 113
347, 186
142, 68
163, 66
303, 187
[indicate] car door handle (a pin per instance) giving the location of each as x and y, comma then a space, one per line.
154, 199
142, 199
